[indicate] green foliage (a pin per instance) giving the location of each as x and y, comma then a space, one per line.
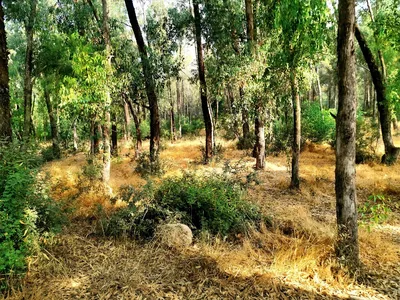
374, 211
192, 127
93, 169
317, 126
366, 139
47, 154
147, 168
247, 142
26, 211
214, 203
281, 136
218, 152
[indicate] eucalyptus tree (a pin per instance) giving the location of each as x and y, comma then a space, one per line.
303, 26
149, 83
5, 113
347, 248
26, 12
207, 115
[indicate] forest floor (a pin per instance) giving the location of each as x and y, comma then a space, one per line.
293, 261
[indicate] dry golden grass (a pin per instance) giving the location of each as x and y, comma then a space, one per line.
293, 260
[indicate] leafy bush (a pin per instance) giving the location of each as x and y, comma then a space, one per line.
374, 211
214, 203
281, 137
218, 152
26, 211
93, 169
146, 168
192, 127
47, 154
366, 139
246, 143
317, 126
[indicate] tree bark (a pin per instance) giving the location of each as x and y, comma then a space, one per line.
136, 120
347, 248
385, 116
107, 118
172, 115
203, 87
53, 124
295, 179
5, 112
149, 83
259, 147
245, 117
28, 83
319, 89
127, 132
250, 25
114, 136
179, 106
75, 136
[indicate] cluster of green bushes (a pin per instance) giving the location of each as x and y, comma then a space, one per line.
27, 213
213, 203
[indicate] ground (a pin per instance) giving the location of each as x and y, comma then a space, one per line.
292, 260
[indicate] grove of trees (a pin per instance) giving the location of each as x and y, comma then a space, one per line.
86, 75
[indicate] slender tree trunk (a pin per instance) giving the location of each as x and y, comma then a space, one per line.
136, 120
295, 180
245, 116
107, 118
250, 25
259, 147
53, 123
179, 106
114, 136
75, 135
203, 87
95, 137
234, 111
127, 133
5, 112
347, 248
149, 83
28, 83
172, 115
385, 116
319, 89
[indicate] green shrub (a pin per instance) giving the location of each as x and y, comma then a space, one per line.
366, 139
47, 154
213, 203
26, 211
374, 211
218, 152
192, 127
93, 169
246, 143
317, 126
147, 168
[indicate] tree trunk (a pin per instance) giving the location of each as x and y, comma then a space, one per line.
259, 147
172, 115
203, 87
5, 112
149, 83
179, 106
75, 135
295, 180
53, 124
114, 137
319, 89
245, 117
28, 84
250, 25
136, 120
347, 248
385, 116
234, 110
95, 137
107, 118
127, 131
366, 92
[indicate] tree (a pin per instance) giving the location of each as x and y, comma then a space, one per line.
347, 248
385, 115
149, 83
5, 116
208, 123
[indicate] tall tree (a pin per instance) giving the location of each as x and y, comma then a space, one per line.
149, 83
28, 81
385, 116
203, 86
347, 248
5, 115
107, 120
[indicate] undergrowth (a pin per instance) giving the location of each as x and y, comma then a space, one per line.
214, 203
